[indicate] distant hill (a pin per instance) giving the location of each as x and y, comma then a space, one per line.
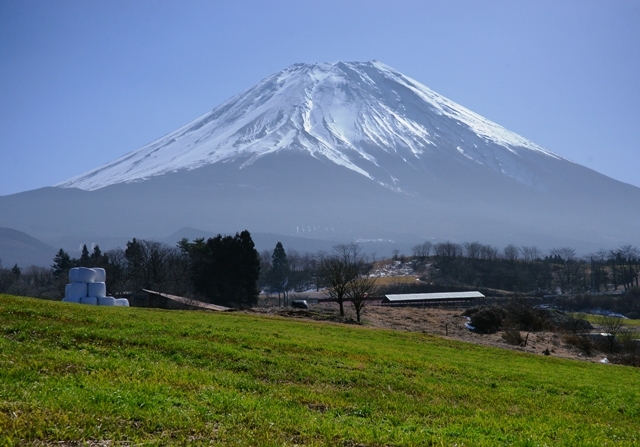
19, 248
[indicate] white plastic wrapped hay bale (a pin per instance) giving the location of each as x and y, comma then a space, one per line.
97, 289
82, 274
75, 290
123, 302
101, 275
107, 301
68, 299
92, 300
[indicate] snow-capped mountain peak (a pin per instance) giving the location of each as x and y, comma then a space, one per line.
359, 115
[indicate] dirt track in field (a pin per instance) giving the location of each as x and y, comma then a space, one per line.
447, 323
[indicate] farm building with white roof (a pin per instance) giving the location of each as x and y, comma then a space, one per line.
432, 299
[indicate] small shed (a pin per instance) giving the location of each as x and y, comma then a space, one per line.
460, 299
158, 300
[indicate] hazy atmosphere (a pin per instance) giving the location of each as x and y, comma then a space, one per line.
84, 82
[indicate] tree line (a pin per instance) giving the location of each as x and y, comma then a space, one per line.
527, 269
228, 270
222, 270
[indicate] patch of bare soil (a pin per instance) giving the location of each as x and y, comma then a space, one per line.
447, 323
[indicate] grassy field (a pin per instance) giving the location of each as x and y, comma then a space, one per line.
388, 280
634, 324
72, 373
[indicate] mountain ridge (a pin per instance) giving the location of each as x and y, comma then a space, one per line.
353, 114
17, 247
397, 168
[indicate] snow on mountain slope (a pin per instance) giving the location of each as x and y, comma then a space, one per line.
353, 114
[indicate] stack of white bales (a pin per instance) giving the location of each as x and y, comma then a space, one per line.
87, 286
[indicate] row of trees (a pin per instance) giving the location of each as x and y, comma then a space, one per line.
343, 272
221, 270
141, 265
228, 270
528, 269
32, 281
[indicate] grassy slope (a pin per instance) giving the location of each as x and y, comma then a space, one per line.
71, 372
388, 280
594, 320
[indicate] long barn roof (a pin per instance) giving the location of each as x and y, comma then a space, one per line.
433, 296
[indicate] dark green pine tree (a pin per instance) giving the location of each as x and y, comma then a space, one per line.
279, 273
225, 270
62, 262
136, 257
97, 258
16, 271
250, 268
85, 260
97, 254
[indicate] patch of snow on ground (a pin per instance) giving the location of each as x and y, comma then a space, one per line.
393, 268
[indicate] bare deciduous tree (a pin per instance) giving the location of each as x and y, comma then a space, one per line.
599, 272
488, 253
448, 250
422, 251
473, 249
530, 254
338, 269
117, 272
625, 263
611, 326
511, 253
568, 267
358, 291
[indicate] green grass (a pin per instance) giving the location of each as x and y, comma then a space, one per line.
73, 373
594, 320
389, 280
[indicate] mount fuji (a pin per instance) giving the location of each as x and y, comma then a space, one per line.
365, 117
341, 151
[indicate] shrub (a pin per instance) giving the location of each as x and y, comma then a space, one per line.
629, 340
487, 319
629, 359
518, 316
612, 326
526, 318
633, 292
574, 324
513, 315
513, 337
582, 342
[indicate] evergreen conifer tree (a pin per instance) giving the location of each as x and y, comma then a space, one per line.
136, 257
97, 253
85, 260
279, 274
62, 262
98, 259
225, 270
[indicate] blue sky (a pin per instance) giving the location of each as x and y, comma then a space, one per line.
83, 82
